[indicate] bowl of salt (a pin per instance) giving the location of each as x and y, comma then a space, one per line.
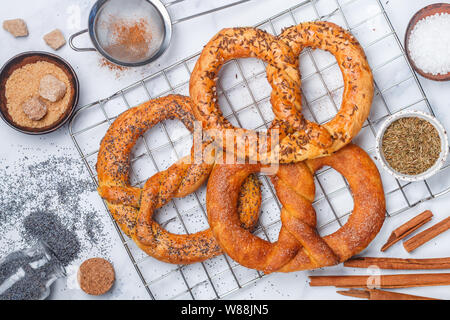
427, 42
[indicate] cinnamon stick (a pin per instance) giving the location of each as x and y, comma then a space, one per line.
407, 228
383, 281
374, 294
398, 264
427, 235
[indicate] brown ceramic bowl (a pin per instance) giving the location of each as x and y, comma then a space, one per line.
430, 10
31, 57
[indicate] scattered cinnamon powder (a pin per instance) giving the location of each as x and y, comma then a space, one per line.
130, 39
104, 63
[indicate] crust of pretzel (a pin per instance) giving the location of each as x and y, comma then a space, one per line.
182, 178
300, 139
113, 162
283, 77
299, 246
356, 74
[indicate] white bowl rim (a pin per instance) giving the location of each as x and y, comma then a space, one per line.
444, 145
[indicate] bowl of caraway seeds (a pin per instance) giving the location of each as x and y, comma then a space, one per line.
412, 145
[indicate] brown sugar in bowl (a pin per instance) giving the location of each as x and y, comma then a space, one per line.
31, 57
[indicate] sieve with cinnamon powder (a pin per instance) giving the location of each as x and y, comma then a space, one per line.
130, 40
412, 145
156, 16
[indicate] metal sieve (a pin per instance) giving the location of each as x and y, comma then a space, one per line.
105, 13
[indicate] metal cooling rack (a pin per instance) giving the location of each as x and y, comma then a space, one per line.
244, 98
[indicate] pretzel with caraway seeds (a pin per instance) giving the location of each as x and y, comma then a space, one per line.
284, 79
356, 75
301, 139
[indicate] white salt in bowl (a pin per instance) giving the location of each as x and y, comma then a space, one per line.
424, 13
439, 162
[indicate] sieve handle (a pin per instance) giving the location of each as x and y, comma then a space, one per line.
75, 47
204, 12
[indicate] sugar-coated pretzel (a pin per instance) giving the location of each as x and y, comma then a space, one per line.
356, 74
132, 208
299, 246
283, 77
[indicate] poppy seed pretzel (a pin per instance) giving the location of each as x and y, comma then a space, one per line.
299, 246
132, 208
284, 78
356, 75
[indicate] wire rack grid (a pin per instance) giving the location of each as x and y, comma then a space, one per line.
244, 96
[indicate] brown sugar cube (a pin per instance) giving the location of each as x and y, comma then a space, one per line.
51, 88
17, 27
96, 276
55, 39
34, 108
